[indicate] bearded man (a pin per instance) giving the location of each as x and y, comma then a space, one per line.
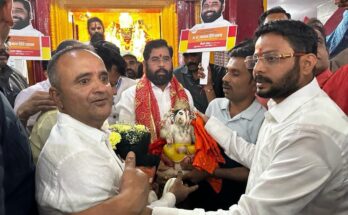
156, 93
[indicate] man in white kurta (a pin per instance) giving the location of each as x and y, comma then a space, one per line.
299, 164
126, 106
77, 168
160, 81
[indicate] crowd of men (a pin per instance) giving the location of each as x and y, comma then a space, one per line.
277, 111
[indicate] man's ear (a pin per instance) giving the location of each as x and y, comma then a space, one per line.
308, 63
56, 96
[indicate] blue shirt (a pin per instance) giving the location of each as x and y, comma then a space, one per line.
247, 123
338, 39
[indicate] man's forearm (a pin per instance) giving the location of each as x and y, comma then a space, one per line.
236, 174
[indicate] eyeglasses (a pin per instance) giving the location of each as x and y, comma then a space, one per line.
268, 58
157, 60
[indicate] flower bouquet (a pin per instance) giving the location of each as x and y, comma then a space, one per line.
128, 137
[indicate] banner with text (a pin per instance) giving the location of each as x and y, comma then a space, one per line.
30, 47
208, 39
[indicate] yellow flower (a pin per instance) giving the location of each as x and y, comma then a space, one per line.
114, 138
139, 127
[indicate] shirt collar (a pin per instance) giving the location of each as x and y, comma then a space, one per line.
95, 134
289, 105
248, 113
184, 69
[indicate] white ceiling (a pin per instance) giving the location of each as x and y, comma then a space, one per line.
298, 9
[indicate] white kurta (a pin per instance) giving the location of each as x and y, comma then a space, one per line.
77, 169
126, 106
25, 94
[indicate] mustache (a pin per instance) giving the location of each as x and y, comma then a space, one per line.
132, 70
161, 70
209, 11
192, 64
262, 79
17, 17
225, 85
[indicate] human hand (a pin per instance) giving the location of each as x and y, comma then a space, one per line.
204, 117
180, 190
166, 160
196, 176
39, 101
186, 163
134, 183
201, 74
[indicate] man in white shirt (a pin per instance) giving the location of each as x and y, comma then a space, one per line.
212, 14
299, 164
156, 93
241, 112
22, 17
212, 10
77, 169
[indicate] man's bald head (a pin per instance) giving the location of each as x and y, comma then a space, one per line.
52, 65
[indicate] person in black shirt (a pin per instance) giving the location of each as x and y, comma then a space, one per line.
188, 76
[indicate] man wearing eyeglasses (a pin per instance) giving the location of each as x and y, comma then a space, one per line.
299, 164
240, 111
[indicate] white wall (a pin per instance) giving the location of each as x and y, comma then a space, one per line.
322, 9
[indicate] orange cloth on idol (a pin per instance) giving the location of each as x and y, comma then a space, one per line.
208, 154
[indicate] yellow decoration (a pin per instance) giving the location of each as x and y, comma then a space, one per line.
170, 29
231, 41
114, 138
61, 29
161, 24
178, 151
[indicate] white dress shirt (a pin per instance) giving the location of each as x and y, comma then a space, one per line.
126, 106
124, 83
25, 94
299, 164
29, 30
77, 169
219, 22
